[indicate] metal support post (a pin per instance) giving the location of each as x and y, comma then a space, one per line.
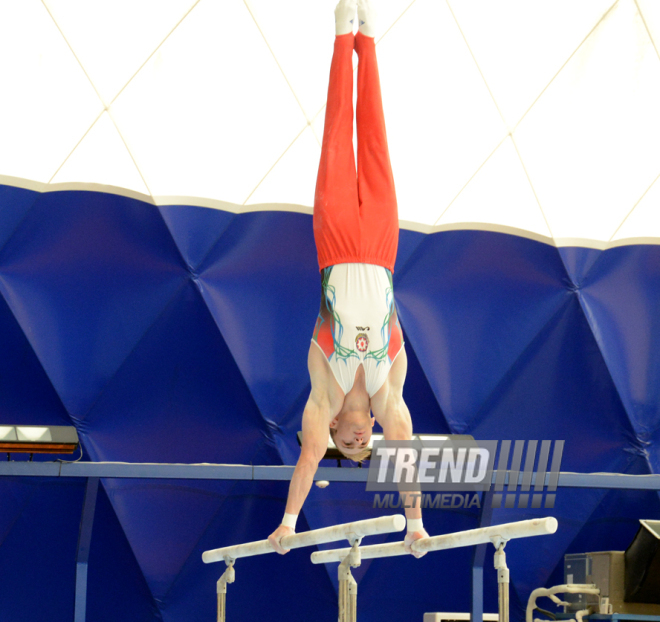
502, 580
227, 577
477, 576
348, 585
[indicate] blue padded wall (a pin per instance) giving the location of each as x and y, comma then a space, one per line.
180, 334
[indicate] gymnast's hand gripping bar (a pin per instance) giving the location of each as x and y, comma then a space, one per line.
349, 531
494, 533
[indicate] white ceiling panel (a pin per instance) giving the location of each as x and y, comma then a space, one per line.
113, 39
499, 194
220, 94
388, 12
591, 144
302, 41
47, 103
442, 123
520, 45
210, 111
293, 179
644, 220
303, 54
651, 12
318, 124
102, 158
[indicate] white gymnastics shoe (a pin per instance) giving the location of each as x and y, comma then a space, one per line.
345, 16
366, 18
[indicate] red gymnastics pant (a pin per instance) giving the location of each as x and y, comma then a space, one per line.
355, 218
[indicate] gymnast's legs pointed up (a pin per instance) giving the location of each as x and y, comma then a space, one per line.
357, 360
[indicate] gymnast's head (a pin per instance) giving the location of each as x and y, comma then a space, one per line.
351, 431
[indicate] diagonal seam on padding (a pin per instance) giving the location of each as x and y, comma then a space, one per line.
597, 340
425, 376
561, 308
138, 340
197, 281
599, 344
222, 233
194, 546
169, 303
402, 270
178, 250
136, 344
594, 263
203, 532
256, 408
193, 269
21, 221
154, 601
508, 371
238, 367
36, 356
533, 342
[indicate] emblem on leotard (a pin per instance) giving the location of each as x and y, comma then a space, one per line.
362, 342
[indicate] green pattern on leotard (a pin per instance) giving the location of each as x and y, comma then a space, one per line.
381, 354
328, 313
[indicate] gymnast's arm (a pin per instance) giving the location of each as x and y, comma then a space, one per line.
315, 431
393, 415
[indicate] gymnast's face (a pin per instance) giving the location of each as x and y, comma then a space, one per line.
352, 430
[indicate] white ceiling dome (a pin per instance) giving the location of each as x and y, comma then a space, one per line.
539, 118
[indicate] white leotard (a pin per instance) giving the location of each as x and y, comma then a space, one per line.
358, 324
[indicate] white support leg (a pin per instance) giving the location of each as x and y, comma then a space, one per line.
227, 577
348, 585
502, 581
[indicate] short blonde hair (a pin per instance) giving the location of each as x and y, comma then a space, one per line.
361, 456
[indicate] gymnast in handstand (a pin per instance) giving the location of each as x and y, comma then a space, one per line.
357, 361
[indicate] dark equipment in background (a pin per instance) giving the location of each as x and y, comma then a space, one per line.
629, 581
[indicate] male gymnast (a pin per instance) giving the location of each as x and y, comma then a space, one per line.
357, 361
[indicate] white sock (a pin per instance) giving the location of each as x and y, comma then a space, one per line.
344, 17
366, 18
